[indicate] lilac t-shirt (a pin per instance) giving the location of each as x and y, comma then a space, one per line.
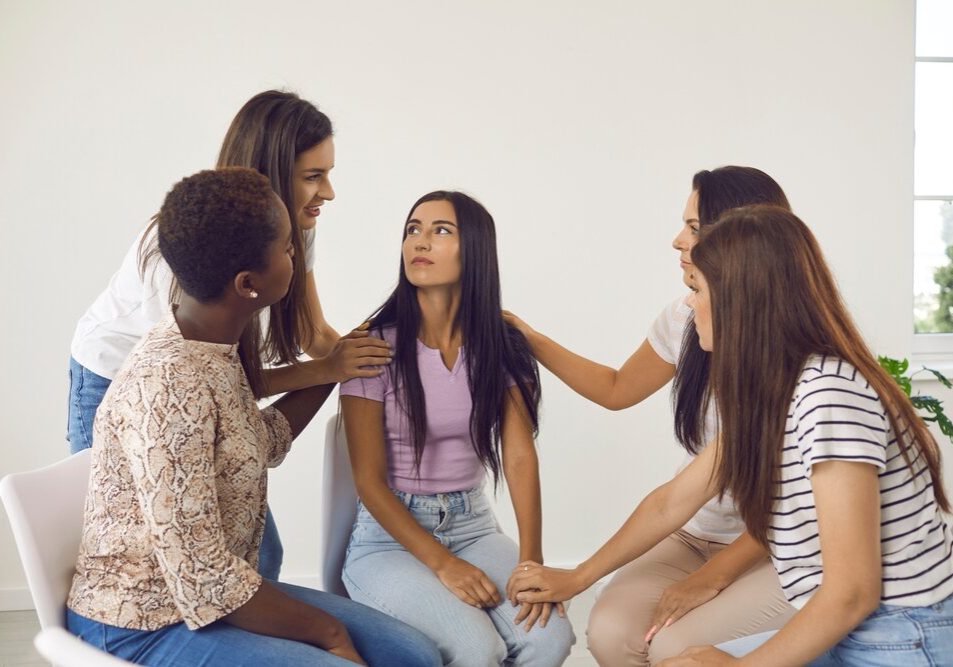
449, 462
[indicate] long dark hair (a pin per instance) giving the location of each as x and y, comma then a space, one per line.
774, 303
494, 351
268, 134
719, 190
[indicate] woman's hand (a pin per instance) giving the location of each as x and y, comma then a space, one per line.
700, 656
520, 325
532, 583
348, 653
540, 611
351, 353
679, 599
468, 582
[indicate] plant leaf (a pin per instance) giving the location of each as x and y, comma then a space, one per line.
942, 379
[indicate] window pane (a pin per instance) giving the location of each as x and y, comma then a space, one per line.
934, 28
933, 266
933, 154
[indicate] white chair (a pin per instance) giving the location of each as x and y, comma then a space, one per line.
338, 506
45, 508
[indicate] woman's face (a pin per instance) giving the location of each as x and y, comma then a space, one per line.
700, 301
688, 236
431, 248
312, 182
272, 283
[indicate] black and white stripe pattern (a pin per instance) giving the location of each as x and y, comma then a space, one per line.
835, 415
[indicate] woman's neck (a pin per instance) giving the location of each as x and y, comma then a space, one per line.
216, 322
438, 318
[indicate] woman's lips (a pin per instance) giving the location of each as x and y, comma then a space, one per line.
313, 211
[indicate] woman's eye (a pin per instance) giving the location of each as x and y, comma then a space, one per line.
694, 229
443, 230
412, 231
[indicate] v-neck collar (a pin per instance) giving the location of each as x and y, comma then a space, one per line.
432, 351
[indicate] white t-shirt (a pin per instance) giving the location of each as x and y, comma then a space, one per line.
717, 521
835, 415
129, 307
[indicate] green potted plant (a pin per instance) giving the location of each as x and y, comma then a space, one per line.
931, 408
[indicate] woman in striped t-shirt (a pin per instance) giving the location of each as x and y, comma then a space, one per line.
855, 518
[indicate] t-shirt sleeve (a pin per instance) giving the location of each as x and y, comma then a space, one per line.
665, 334
308, 235
171, 453
839, 419
371, 388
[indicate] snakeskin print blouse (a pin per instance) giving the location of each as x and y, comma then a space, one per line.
176, 503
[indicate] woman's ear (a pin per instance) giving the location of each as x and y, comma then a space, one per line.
244, 285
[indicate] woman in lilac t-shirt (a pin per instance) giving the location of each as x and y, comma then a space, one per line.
460, 398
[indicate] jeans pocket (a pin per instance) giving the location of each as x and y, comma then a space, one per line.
891, 630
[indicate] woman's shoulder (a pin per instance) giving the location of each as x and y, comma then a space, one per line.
824, 376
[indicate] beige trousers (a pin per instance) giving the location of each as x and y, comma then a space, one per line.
622, 614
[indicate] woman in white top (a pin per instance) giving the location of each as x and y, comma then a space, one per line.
290, 141
707, 582
827, 460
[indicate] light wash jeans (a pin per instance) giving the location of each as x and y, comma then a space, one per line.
379, 572
86, 391
379, 639
892, 636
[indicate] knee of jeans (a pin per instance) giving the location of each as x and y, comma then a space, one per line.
612, 640
549, 647
490, 651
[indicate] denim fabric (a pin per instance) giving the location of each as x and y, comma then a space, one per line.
379, 639
86, 391
379, 572
892, 636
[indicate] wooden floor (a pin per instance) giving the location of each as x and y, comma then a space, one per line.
17, 629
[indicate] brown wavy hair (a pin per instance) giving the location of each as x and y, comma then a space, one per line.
268, 134
719, 190
774, 303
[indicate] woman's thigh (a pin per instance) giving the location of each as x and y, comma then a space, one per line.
379, 638
497, 555
86, 391
622, 614
216, 645
752, 604
396, 583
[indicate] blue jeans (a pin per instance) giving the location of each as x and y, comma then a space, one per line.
892, 636
86, 391
381, 573
379, 639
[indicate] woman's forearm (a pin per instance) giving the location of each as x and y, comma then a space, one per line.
273, 613
296, 376
397, 520
732, 562
522, 479
299, 407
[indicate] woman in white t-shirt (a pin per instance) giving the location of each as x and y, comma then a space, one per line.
830, 465
708, 582
290, 141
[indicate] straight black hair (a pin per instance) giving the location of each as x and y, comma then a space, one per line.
495, 352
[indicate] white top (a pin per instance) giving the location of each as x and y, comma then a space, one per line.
717, 521
836, 415
129, 307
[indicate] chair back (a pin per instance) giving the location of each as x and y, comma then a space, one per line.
338, 506
45, 508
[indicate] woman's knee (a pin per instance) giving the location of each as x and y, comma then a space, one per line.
611, 637
489, 650
668, 643
547, 647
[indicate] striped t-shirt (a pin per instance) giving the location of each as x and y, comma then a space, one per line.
836, 415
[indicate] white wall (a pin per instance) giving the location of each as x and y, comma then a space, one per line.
579, 125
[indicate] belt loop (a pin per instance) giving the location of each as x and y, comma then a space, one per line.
404, 497
466, 502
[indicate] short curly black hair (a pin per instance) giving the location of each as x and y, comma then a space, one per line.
215, 224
